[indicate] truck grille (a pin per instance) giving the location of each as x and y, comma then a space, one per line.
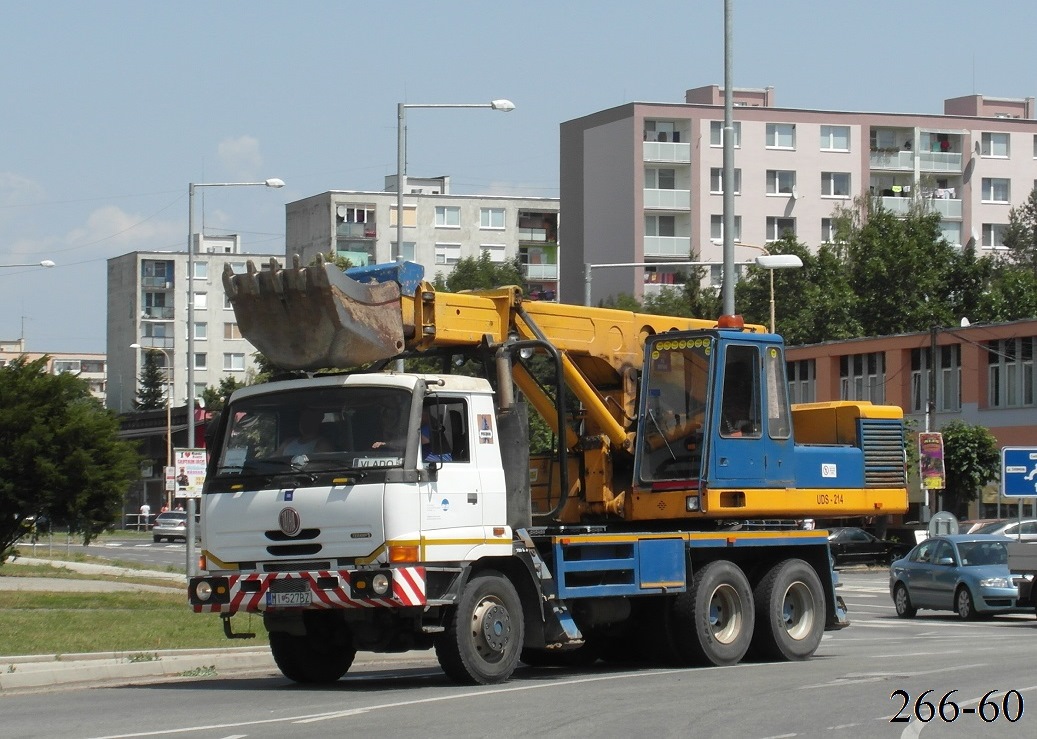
883, 443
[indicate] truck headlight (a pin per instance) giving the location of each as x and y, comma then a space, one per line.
380, 584
203, 591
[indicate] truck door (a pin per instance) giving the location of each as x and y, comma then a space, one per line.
751, 438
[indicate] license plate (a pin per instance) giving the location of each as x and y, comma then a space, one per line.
289, 600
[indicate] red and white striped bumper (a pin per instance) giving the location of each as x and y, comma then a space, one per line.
327, 589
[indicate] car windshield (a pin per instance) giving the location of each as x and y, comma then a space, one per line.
979, 553
330, 427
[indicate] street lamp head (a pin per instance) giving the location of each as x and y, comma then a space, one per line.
274, 182
779, 261
505, 105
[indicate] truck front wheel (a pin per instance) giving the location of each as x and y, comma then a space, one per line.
790, 612
712, 623
483, 639
310, 659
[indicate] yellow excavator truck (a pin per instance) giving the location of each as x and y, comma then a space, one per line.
358, 506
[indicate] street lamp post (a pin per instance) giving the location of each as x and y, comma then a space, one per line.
401, 151
272, 182
44, 263
771, 262
169, 403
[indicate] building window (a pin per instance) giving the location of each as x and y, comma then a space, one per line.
200, 360
407, 252
835, 138
234, 362
716, 133
996, 190
201, 331
496, 252
716, 228
778, 227
231, 331
661, 131
201, 269
835, 184
948, 379
716, 181
65, 365
827, 230
995, 145
1010, 372
448, 216
491, 218
226, 302
780, 181
802, 381
781, 136
863, 377
660, 225
201, 301
448, 253
660, 179
994, 235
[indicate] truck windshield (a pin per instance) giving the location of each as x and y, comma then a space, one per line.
676, 377
343, 427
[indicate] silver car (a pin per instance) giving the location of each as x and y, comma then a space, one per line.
1013, 528
170, 525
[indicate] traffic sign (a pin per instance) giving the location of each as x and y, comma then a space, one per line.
1019, 471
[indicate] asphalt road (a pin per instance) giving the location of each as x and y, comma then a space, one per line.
140, 551
861, 679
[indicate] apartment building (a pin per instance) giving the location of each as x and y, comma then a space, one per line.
87, 366
643, 182
979, 374
147, 306
439, 229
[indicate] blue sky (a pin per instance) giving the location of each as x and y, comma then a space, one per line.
109, 109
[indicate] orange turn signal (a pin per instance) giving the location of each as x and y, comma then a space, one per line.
403, 552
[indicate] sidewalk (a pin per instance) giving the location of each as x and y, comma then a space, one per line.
32, 673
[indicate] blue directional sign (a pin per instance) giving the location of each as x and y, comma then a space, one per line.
1019, 471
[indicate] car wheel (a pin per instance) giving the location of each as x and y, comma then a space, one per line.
964, 604
902, 601
157, 539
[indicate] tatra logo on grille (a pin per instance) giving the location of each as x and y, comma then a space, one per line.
289, 521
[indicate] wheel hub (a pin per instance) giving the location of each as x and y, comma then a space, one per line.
491, 627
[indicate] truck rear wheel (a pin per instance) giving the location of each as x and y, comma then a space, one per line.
790, 612
310, 659
712, 623
483, 639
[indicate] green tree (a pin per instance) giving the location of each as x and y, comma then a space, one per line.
60, 454
971, 459
1021, 235
482, 273
216, 397
152, 384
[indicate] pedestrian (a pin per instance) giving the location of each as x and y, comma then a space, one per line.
145, 516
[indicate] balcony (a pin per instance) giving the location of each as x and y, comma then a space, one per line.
667, 199
540, 271
535, 235
356, 231
928, 161
890, 159
157, 314
156, 282
939, 161
902, 206
666, 151
667, 246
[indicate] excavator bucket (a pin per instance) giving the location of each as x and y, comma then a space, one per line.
315, 317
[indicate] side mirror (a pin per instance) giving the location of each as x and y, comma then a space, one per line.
945, 561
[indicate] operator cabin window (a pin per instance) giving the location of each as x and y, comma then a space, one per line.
995, 145
740, 404
780, 181
716, 133
448, 216
835, 138
716, 181
491, 218
781, 136
996, 190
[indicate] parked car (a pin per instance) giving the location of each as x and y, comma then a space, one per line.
972, 526
170, 525
965, 573
853, 546
1013, 528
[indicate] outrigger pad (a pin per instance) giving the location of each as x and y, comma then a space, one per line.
315, 317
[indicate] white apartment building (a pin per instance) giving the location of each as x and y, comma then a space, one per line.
147, 305
642, 182
439, 229
85, 365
